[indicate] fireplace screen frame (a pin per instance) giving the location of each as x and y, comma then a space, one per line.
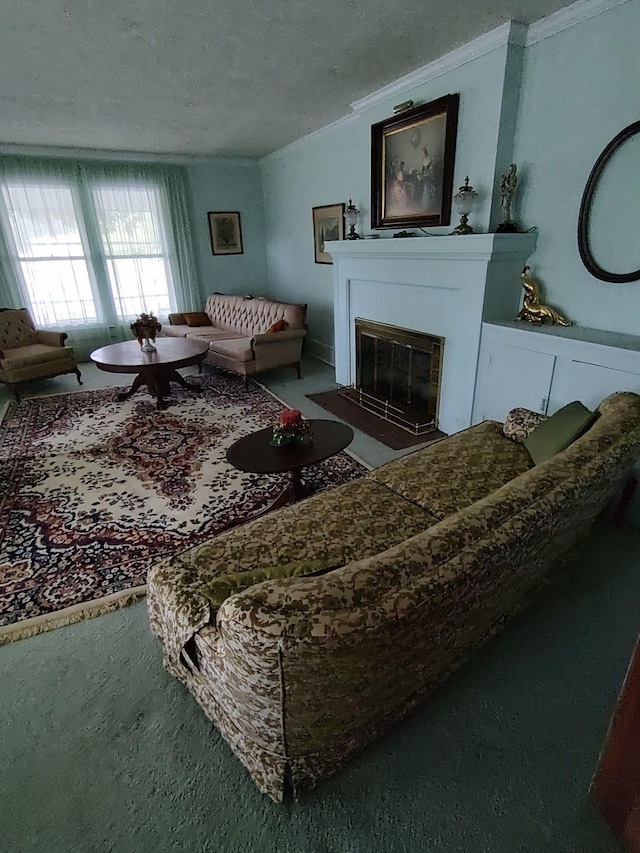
417, 422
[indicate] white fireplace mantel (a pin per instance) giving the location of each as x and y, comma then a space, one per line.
443, 286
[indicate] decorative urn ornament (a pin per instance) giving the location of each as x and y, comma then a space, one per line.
464, 201
145, 328
351, 214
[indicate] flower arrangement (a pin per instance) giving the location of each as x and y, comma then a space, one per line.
145, 328
289, 427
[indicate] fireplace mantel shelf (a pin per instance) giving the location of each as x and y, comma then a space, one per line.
470, 247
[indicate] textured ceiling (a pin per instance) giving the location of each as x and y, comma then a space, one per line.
215, 77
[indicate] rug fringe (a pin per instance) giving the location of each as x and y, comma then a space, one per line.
70, 615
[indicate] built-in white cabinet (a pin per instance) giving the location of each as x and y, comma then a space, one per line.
543, 368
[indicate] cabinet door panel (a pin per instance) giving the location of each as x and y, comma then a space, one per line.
589, 383
514, 376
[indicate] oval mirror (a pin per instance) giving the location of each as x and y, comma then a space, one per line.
607, 225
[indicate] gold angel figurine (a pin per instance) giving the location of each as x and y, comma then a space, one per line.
532, 309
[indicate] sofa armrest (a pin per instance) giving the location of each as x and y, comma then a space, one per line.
51, 339
274, 337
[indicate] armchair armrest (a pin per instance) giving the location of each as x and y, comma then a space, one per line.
51, 339
274, 337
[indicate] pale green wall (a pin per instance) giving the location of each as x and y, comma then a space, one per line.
581, 87
334, 165
229, 185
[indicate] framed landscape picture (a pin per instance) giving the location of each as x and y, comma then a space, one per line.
225, 232
412, 161
328, 224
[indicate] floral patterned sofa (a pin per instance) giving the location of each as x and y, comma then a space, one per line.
246, 335
433, 552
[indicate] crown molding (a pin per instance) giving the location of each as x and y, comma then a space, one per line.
16, 149
568, 17
343, 121
510, 33
513, 32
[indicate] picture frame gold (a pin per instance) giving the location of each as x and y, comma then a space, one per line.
412, 163
328, 224
225, 232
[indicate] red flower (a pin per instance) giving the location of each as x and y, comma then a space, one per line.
290, 418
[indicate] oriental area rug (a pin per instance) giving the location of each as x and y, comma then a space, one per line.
94, 491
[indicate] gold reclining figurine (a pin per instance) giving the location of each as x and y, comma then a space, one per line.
532, 309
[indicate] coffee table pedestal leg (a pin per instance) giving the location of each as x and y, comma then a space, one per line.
159, 384
124, 395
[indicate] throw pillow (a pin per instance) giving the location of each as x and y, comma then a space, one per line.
196, 318
278, 326
558, 431
520, 423
219, 589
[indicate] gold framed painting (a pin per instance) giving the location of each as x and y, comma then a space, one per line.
328, 224
225, 232
412, 162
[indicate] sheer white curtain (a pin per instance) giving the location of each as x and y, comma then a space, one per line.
87, 248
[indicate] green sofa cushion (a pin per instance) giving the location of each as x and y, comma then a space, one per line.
558, 431
219, 589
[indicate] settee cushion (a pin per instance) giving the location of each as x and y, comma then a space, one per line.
454, 473
238, 349
520, 423
196, 318
356, 520
219, 589
32, 354
559, 431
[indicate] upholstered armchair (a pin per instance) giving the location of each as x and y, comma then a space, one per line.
30, 353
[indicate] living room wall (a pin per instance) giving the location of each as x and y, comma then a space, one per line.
334, 165
578, 90
229, 185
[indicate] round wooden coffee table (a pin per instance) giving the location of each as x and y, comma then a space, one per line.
155, 369
255, 454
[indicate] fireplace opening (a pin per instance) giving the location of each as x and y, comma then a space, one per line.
398, 374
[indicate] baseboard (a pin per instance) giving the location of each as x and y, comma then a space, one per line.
319, 350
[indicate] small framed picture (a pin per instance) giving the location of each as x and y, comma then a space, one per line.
328, 224
225, 232
412, 161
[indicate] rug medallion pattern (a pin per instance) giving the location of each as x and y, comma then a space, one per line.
93, 491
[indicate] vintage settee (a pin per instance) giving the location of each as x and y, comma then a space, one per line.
431, 554
246, 335
29, 353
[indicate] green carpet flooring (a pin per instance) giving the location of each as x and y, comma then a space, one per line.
101, 750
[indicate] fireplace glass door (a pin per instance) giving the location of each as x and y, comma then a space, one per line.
398, 374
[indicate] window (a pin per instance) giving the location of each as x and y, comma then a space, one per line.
132, 232
92, 246
50, 252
